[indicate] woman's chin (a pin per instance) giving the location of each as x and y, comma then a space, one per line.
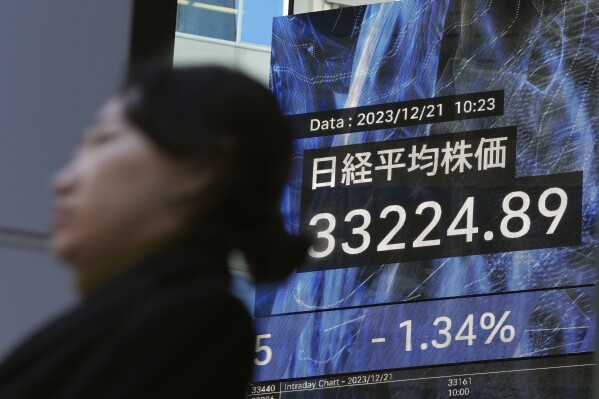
62, 247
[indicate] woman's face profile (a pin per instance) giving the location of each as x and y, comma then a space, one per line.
113, 199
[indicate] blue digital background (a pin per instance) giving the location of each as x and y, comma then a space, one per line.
544, 55
344, 337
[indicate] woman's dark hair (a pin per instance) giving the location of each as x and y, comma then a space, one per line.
218, 117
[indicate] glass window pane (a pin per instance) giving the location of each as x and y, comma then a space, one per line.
256, 26
211, 18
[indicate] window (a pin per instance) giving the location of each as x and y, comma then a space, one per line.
248, 21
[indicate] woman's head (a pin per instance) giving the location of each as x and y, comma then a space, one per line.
197, 155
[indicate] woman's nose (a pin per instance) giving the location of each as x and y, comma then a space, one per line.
64, 180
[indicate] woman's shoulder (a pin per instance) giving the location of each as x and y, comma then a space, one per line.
169, 319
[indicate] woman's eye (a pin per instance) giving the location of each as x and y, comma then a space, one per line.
101, 138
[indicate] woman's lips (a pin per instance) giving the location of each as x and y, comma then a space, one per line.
59, 217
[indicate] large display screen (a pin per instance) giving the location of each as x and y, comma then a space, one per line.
446, 167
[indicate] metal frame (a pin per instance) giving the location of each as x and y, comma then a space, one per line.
153, 28
353, 3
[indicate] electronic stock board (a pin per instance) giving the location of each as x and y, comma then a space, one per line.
446, 167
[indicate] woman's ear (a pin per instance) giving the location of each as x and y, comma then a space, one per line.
193, 182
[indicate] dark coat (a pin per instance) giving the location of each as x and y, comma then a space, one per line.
168, 328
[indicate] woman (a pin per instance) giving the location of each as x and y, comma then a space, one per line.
177, 170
